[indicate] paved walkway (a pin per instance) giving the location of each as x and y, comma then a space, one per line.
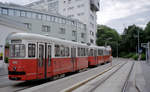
146, 73
3, 70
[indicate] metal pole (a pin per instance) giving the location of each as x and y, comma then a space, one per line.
138, 43
148, 56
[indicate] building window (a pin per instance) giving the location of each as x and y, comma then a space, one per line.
0, 10
82, 35
34, 15
17, 13
70, 8
74, 33
23, 13
45, 28
69, 1
39, 16
62, 30
28, 25
91, 40
80, 14
4, 11
91, 33
92, 25
29, 14
11, 12
92, 17
48, 18
81, 5
44, 17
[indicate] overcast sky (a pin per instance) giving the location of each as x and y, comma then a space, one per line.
116, 13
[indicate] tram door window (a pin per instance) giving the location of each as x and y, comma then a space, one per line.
31, 50
49, 55
41, 55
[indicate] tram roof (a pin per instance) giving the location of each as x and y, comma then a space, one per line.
99, 47
31, 36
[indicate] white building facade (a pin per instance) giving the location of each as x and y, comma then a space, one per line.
7, 28
83, 10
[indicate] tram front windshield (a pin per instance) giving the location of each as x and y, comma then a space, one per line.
17, 50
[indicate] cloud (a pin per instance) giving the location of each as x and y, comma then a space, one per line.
115, 9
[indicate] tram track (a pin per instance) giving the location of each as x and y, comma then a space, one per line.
126, 82
101, 81
76, 86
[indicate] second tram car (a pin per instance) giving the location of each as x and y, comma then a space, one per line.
33, 56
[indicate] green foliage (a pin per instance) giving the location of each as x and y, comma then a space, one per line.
6, 59
147, 32
129, 40
107, 35
143, 56
130, 55
135, 57
127, 43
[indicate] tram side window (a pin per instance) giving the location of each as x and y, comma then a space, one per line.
41, 54
57, 50
62, 51
91, 52
17, 50
31, 50
67, 51
79, 52
49, 55
84, 52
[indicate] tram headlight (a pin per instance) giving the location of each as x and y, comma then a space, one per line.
14, 68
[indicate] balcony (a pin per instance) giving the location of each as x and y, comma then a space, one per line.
94, 5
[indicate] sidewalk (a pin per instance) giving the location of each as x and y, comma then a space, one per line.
142, 76
4, 70
146, 73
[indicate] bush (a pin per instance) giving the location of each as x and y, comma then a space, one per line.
123, 54
135, 57
130, 55
143, 56
6, 59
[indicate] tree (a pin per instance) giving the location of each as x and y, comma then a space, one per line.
129, 40
104, 33
147, 32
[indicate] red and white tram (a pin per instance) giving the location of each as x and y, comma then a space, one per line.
33, 56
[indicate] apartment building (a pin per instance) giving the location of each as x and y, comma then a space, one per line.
83, 10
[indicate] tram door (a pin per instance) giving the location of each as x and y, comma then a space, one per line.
41, 59
48, 68
73, 58
95, 56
